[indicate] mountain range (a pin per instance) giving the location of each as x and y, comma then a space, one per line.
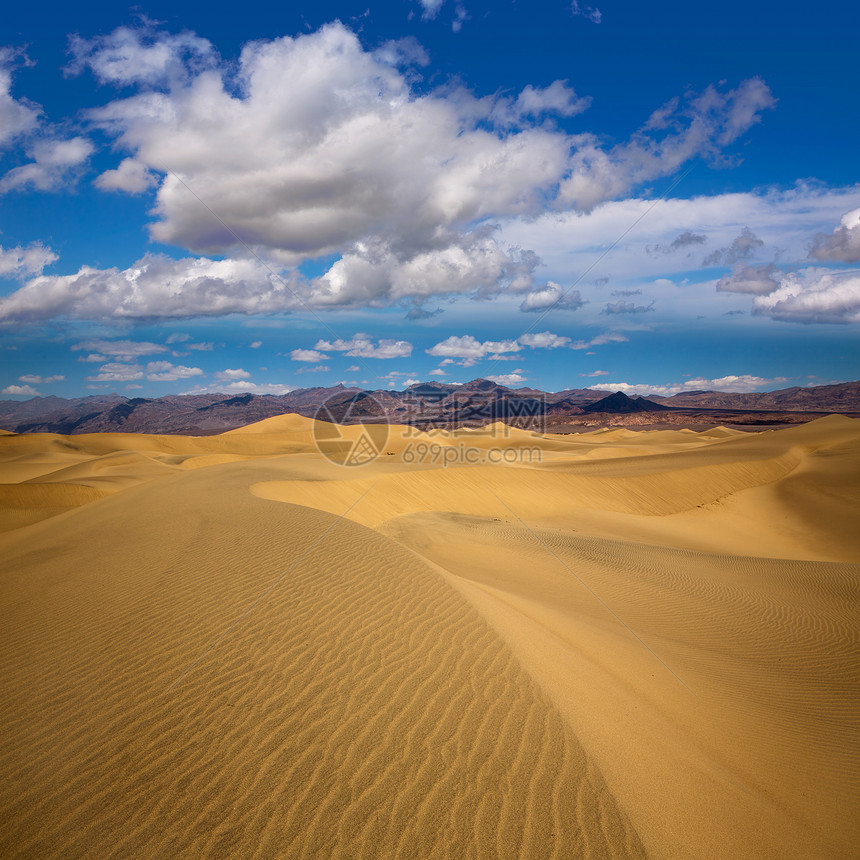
426, 405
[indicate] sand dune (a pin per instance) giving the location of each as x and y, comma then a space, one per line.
624, 644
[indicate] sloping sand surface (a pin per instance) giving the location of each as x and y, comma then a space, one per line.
614, 644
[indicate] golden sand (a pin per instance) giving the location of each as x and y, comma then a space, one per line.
622, 645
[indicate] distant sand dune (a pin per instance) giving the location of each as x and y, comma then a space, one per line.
637, 644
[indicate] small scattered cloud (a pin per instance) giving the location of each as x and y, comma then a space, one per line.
165, 371
754, 280
626, 308
353, 368
255, 344
460, 17
121, 350
438, 372
843, 244
307, 355
319, 368
115, 371
54, 164
625, 294
599, 340
232, 374
469, 347
558, 99
362, 346
596, 373
26, 261
685, 240
243, 386
552, 297
141, 56
130, 176
431, 8
515, 378
19, 390
590, 13
742, 384
17, 116
418, 313
543, 340
742, 247
33, 379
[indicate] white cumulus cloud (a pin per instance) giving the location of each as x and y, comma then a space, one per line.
543, 340
468, 347
743, 384
54, 163
307, 355
121, 350
515, 378
154, 287
232, 374
116, 371
362, 346
130, 176
22, 261
164, 371
552, 297
599, 340
813, 296
312, 145
34, 379
21, 390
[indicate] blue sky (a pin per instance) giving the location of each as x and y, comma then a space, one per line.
552, 194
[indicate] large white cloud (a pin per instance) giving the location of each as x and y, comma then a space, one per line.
156, 286
813, 296
316, 146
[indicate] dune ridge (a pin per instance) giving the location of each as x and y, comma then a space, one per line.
637, 644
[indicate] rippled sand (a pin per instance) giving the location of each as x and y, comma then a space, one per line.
625, 645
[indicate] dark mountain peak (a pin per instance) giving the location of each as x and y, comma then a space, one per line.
482, 385
238, 400
619, 404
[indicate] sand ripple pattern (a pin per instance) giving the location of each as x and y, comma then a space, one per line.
363, 709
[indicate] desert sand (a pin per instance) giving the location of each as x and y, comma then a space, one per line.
625, 644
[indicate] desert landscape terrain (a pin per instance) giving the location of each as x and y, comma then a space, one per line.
482, 643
